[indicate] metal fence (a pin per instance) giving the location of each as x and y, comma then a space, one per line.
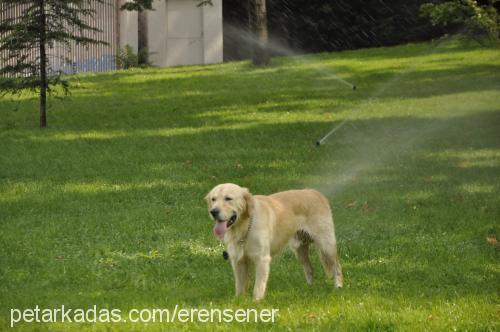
76, 58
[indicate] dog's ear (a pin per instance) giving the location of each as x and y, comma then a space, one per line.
249, 201
207, 197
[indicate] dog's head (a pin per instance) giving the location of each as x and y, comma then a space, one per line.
228, 204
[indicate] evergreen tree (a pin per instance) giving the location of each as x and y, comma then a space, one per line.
26, 40
139, 5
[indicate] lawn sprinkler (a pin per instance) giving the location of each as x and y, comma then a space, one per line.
319, 142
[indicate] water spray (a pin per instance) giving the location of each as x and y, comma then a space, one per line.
381, 90
319, 142
296, 56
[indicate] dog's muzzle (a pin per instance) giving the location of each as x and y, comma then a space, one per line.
221, 226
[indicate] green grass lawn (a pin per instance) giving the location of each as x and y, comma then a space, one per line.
106, 206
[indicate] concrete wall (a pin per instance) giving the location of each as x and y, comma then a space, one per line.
212, 32
127, 27
180, 33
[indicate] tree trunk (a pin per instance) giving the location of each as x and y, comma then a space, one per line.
260, 54
43, 66
142, 36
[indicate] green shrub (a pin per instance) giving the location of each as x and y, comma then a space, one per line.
467, 15
127, 58
143, 57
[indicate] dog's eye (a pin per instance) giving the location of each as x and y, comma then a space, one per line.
228, 199
213, 199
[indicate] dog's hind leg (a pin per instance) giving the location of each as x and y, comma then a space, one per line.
302, 253
331, 265
330, 260
300, 247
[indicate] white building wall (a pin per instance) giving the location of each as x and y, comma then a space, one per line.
212, 32
181, 33
127, 27
184, 32
157, 32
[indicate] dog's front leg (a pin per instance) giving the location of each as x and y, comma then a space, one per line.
240, 269
262, 266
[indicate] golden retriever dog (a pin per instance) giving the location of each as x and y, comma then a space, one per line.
255, 228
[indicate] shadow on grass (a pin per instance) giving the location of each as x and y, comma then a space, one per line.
199, 99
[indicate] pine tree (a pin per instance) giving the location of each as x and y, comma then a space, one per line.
26, 40
139, 5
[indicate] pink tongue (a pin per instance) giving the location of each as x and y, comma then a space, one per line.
220, 228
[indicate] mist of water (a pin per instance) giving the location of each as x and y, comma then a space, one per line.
387, 144
278, 49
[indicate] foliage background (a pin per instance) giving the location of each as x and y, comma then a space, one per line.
332, 25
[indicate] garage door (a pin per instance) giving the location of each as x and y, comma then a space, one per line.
184, 32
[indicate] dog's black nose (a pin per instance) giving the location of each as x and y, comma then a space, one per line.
214, 212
